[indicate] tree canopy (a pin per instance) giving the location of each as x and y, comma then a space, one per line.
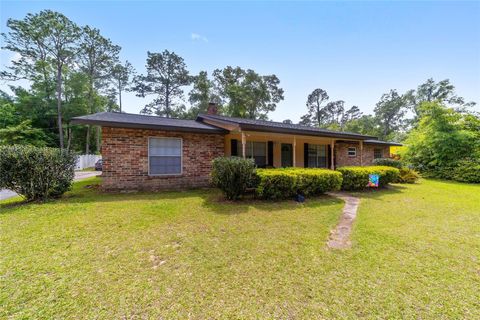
166, 75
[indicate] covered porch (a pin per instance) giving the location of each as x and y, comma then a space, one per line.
286, 150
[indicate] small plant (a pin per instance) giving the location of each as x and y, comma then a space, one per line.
36, 173
356, 178
388, 162
407, 175
233, 175
288, 182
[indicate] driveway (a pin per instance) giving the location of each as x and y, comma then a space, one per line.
79, 175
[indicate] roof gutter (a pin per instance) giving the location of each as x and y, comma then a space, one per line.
248, 127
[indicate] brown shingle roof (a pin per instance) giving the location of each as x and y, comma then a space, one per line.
280, 127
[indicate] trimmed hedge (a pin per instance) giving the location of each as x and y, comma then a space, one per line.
388, 162
285, 183
233, 175
356, 178
36, 173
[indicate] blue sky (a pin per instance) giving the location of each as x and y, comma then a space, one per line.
355, 50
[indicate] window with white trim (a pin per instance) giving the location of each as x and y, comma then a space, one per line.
352, 151
164, 156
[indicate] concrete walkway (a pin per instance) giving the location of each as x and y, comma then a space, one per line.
79, 175
340, 236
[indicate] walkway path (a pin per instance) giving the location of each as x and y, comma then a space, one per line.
79, 175
340, 236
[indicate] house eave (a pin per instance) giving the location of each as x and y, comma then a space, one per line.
117, 124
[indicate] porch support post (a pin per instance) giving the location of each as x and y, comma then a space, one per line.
361, 152
332, 158
294, 149
244, 144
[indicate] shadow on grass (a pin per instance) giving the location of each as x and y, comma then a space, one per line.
87, 191
373, 193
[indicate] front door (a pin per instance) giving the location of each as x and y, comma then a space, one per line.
287, 155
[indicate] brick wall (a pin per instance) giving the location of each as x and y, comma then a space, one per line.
125, 159
342, 158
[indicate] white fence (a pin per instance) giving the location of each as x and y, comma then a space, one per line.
86, 161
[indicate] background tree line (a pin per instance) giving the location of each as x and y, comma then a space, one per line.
394, 115
74, 70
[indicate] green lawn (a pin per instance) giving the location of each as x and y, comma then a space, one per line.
416, 254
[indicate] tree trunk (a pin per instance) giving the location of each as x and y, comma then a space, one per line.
87, 142
69, 134
59, 105
98, 139
167, 100
90, 105
120, 95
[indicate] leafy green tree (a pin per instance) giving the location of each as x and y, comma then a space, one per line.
439, 141
247, 94
390, 113
44, 40
442, 91
22, 133
366, 124
202, 93
166, 75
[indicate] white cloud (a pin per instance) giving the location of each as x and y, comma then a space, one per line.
196, 36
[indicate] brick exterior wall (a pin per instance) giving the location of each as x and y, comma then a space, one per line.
342, 158
125, 159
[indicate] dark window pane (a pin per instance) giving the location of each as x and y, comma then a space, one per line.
317, 156
165, 165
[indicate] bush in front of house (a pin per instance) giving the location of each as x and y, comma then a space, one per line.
356, 178
286, 183
233, 175
388, 162
406, 175
467, 171
36, 173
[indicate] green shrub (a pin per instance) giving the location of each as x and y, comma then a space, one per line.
407, 175
388, 162
467, 171
233, 175
287, 182
356, 178
36, 173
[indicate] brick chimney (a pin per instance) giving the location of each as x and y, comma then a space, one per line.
212, 108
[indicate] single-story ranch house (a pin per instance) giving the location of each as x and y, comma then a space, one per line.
151, 152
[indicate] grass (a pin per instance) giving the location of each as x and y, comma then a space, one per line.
416, 254
88, 169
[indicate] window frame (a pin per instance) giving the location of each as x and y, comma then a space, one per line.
181, 157
352, 155
239, 150
317, 157
381, 153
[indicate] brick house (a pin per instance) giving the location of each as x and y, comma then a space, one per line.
150, 152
